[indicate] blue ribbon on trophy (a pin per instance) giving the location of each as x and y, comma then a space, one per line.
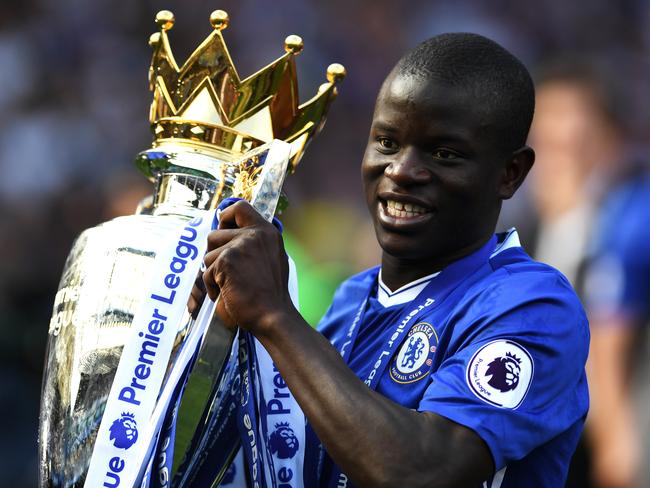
243, 411
176, 265
133, 397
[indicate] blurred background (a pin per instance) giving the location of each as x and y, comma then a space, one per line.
74, 102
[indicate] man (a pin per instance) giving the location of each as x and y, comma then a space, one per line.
498, 391
591, 194
617, 288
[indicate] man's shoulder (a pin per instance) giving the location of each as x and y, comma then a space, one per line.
514, 266
624, 221
510, 263
632, 193
527, 294
365, 276
356, 285
348, 297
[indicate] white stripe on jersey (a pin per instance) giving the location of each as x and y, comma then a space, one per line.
404, 294
497, 479
411, 290
511, 240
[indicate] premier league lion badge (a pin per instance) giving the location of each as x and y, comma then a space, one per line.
124, 431
500, 373
283, 441
414, 359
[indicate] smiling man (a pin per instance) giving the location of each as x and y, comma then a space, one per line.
460, 360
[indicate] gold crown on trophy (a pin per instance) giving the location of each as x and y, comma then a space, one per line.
205, 103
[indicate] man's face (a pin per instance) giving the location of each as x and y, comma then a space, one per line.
431, 172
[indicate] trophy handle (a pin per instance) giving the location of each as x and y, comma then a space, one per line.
269, 184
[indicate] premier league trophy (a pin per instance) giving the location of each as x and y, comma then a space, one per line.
215, 136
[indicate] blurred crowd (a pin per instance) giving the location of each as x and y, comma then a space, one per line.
74, 102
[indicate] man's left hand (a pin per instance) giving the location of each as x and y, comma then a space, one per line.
247, 268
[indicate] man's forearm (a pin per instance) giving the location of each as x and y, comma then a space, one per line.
374, 440
611, 418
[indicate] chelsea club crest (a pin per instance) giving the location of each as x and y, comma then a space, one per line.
414, 359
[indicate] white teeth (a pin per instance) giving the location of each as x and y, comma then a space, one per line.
403, 210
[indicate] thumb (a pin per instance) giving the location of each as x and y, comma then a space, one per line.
224, 315
238, 215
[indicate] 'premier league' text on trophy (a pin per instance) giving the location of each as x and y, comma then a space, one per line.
120, 311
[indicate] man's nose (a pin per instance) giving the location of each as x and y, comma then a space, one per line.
408, 168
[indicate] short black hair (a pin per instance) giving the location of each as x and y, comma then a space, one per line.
483, 68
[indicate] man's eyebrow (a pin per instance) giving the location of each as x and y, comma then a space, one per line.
383, 126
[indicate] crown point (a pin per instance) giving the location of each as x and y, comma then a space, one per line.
165, 20
154, 39
219, 19
335, 72
293, 44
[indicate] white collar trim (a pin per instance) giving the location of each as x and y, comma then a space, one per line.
511, 239
411, 290
403, 294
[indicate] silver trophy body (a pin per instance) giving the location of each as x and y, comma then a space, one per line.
100, 290
102, 287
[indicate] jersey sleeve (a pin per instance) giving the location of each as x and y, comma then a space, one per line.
514, 371
617, 277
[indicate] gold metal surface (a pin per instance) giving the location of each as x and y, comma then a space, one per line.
335, 72
205, 101
293, 44
219, 19
165, 19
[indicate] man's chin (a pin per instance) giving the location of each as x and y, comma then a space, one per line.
404, 251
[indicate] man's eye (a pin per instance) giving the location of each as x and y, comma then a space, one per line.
445, 154
387, 144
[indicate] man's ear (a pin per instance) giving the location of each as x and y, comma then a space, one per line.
515, 171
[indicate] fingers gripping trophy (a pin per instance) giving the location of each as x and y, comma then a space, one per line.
122, 346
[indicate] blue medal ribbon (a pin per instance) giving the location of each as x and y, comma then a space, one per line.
251, 415
252, 419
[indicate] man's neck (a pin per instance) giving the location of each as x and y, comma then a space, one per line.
397, 272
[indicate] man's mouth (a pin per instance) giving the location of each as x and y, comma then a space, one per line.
401, 215
402, 210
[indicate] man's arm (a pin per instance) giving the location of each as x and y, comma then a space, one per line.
611, 424
374, 440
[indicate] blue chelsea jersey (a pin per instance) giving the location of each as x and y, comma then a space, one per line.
496, 342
